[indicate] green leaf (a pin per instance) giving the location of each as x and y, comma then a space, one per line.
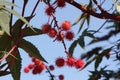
100, 57
31, 49
15, 68
93, 52
4, 42
1, 32
90, 35
88, 19
81, 42
85, 32
82, 23
18, 25
106, 52
4, 21
98, 61
72, 47
29, 32
118, 7
6, 3
19, 16
2, 53
115, 1
79, 18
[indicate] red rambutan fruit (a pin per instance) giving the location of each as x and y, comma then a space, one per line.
52, 32
61, 3
70, 61
69, 35
61, 77
60, 37
60, 62
46, 28
51, 67
79, 64
49, 10
66, 25
26, 69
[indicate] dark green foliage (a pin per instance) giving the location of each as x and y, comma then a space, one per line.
30, 49
4, 73
72, 47
15, 65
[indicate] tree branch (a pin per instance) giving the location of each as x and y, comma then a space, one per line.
104, 15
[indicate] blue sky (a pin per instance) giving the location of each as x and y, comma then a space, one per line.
51, 50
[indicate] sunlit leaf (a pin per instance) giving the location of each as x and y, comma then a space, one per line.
72, 47
115, 1
6, 3
19, 16
1, 32
4, 21
118, 7
31, 49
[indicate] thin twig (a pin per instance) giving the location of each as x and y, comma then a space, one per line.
105, 15
24, 5
5, 56
11, 17
59, 31
101, 26
51, 75
99, 6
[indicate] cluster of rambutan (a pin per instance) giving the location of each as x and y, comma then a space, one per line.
60, 33
37, 66
70, 61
